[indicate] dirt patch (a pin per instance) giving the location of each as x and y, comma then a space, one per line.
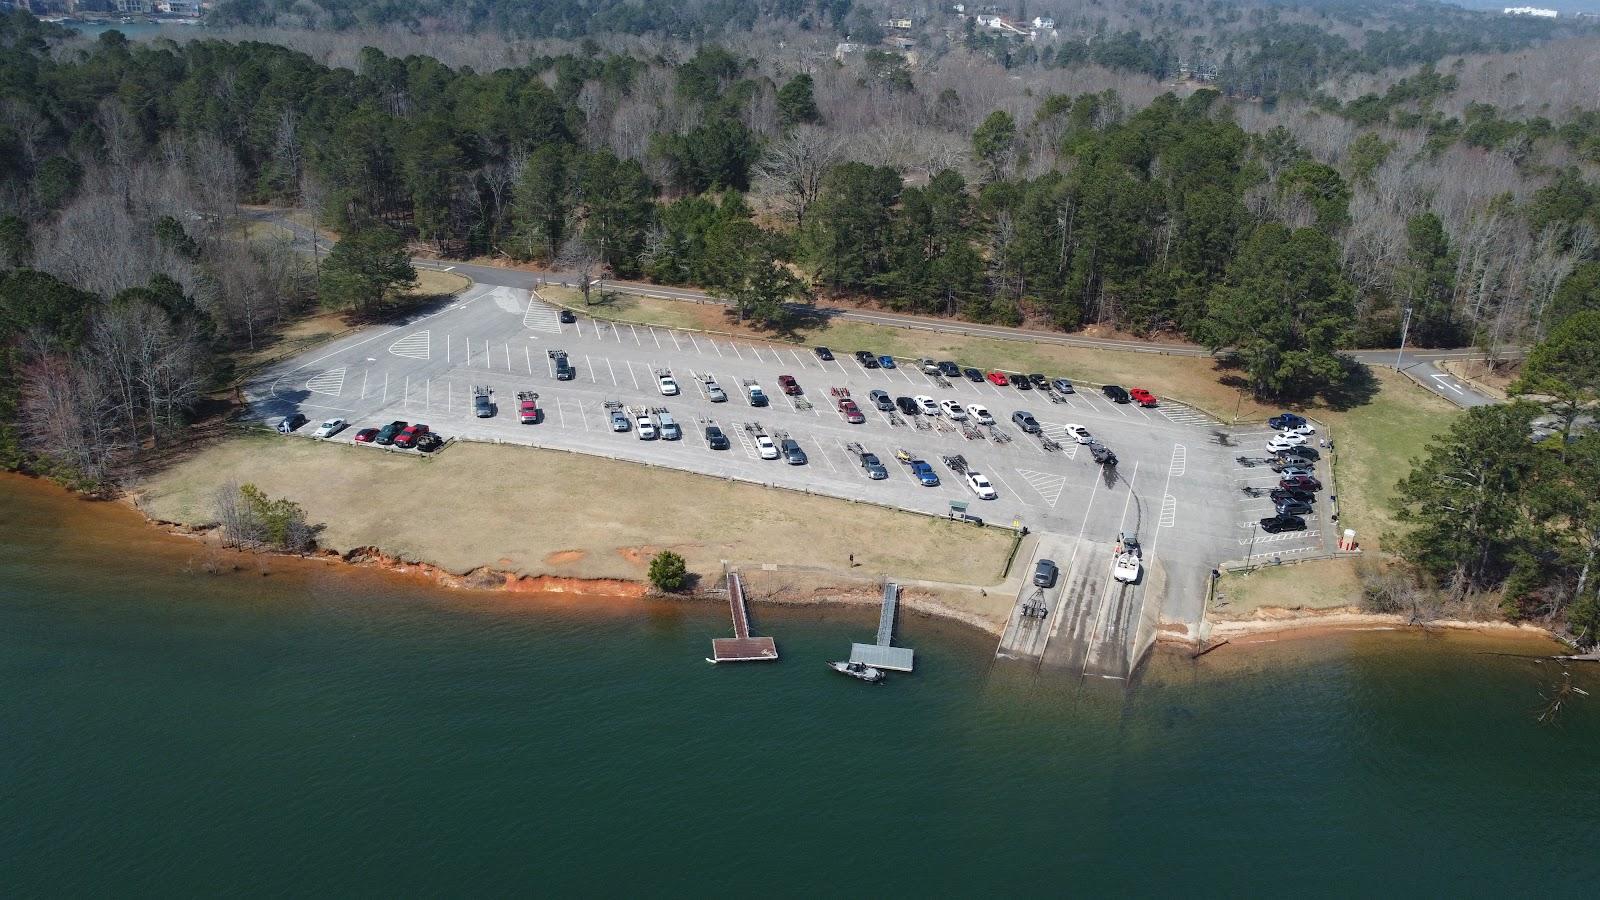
560, 558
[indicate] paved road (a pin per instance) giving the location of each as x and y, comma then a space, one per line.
1420, 364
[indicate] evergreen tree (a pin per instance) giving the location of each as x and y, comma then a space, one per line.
365, 269
796, 104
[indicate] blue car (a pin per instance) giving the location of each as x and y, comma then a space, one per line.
1286, 420
886, 361
924, 473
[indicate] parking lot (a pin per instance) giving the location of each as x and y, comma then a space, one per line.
1176, 486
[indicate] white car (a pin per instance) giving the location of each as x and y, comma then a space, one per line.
1305, 430
979, 414
954, 411
647, 428
329, 428
668, 387
1126, 568
765, 447
1284, 442
926, 405
1079, 433
981, 486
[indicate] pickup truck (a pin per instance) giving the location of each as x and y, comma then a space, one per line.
756, 395
527, 407
564, 370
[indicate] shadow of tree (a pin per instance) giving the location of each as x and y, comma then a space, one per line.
1357, 387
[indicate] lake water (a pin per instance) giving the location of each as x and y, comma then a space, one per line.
302, 728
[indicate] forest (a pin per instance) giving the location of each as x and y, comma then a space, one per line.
953, 173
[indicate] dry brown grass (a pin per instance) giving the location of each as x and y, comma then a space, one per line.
1313, 585
537, 512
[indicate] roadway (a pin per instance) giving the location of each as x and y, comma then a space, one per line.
1421, 365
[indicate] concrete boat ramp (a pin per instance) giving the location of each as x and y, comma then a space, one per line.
1087, 623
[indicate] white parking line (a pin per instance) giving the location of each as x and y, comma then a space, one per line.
736, 350
696, 345
634, 376
447, 348
508, 357
635, 334
386, 388
612, 369
527, 356
364, 383
657, 338
674, 335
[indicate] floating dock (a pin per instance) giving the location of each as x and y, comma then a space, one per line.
882, 655
741, 647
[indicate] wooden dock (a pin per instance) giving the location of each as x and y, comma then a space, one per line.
741, 647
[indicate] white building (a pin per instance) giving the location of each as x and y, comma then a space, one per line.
1531, 11
1044, 23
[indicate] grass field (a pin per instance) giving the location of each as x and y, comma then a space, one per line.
1312, 585
546, 512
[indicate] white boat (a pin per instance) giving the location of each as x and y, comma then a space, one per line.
1126, 568
857, 670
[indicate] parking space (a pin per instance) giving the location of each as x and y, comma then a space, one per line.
1175, 485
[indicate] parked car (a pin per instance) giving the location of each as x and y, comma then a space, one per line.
949, 369
1291, 465
714, 391
1300, 452
1300, 483
1063, 386
765, 448
1285, 420
619, 422
906, 405
667, 384
1044, 573
1284, 442
928, 366
973, 375
1294, 472
788, 385
564, 369
329, 428
715, 439
867, 359
1306, 430
1021, 382
924, 473
387, 433
823, 353
1142, 396
1275, 524
1025, 420
1279, 495
1078, 433
874, 469
482, 406
1038, 381
1102, 454
366, 435
980, 414
926, 406
953, 411
290, 423
568, 317
647, 427
851, 412
429, 442
1115, 393
998, 379
881, 400
792, 454
886, 362
1293, 508
408, 437
981, 486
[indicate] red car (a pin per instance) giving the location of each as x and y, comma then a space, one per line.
366, 435
789, 385
998, 379
852, 412
1142, 396
1300, 483
408, 438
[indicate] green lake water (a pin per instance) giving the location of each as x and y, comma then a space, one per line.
320, 731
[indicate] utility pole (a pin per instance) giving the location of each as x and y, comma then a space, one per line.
1404, 327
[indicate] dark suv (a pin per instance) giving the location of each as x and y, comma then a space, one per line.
867, 359
1044, 574
389, 432
1115, 393
1276, 524
1293, 508
715, 439
907, 405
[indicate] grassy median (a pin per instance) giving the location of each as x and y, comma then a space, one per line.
549, 512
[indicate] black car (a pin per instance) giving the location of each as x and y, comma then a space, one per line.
1285, 420
715, 439
907, 405
1039, 381
1287, 463
881, 400
949, 369
1044, 574
1275, 524
290, 422
1308, 454
824, 354
1279, 495
389, 432
973, 375
429, 442
1020, 382
867, 359
1115, 393
1025, 420
1294, 508
568, 317
1102, 454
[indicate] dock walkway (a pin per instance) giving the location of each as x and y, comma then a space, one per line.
882, 655
741, 647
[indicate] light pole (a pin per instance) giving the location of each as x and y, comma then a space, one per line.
1404, 327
